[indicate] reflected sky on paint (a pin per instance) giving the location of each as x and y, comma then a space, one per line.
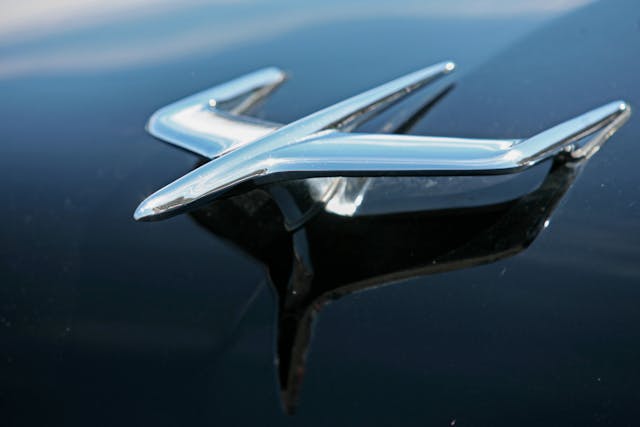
38, 37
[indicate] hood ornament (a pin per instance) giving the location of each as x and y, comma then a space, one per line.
473, 201
247, 151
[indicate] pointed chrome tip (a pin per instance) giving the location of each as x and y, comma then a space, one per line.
597, 124
143, 212
611, 109
623, 113
449, 66
156, 206
623, 106
615, 107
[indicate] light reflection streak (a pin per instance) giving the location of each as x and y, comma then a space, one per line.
232, 23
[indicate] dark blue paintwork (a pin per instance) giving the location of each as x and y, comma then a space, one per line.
104, 321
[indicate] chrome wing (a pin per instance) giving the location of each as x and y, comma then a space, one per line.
244, 149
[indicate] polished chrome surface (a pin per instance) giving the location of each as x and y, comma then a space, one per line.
209, 123
320, 145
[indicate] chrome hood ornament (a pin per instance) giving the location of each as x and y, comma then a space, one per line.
244, 150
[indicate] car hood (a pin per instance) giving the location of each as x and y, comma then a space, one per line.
106, 320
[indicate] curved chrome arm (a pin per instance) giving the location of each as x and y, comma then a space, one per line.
318, 145
353, 154
209, 123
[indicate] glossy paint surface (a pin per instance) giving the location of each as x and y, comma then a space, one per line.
105, 321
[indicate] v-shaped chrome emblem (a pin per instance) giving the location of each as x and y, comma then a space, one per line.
247, 150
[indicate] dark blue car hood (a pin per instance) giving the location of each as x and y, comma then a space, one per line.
106, 321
